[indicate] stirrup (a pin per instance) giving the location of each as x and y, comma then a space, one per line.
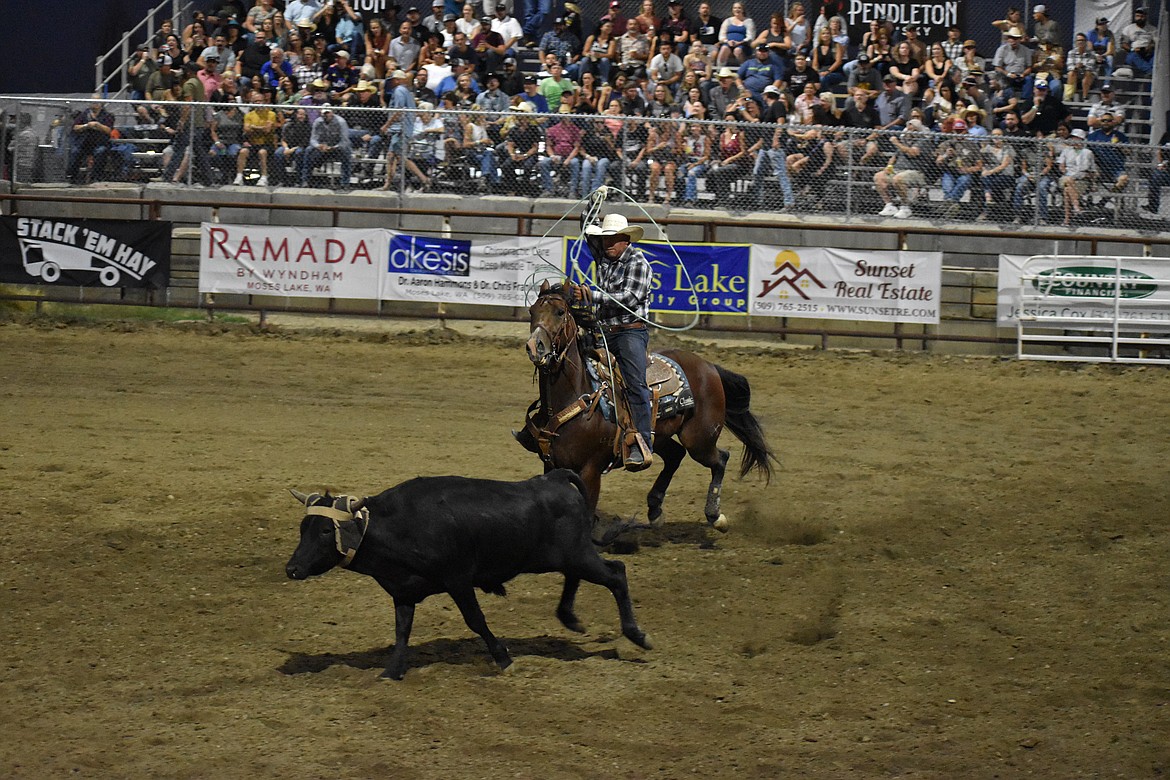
640, 456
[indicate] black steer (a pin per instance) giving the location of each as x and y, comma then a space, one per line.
452, 534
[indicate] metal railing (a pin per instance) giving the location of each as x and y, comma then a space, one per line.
869, 177
110, 70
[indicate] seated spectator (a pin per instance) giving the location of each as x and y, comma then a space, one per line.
724, 94
277, 66
508, 28
365, 126
261, 126
426, 146
254, 56
522, 152
160, 83
1138, 39
960, 161
341, 75
893, 105
1104, 44
634, 137
562, 155
1045, 30
665, 68
776, 39
468, 23
828, 60
799, 29
555, 86
881, 52
92, 135
974, 116
562, 44
1080, 69
730, 161
633, 53
598, 152
760, 72
1107, 104
405, 48
309, 69
600, 52
1046, 112
616, 18
1159, 177
1076, 168
1013, 21
1108, 142
676, 28
937, 70
953, 45
227, 139
900, 182
329, 142
660, 103
906, 69
942, 106
664, 154
1047, 66
864, 76
997, 176
142, 66
294, 140
1037, 173
1013, 60
736, 34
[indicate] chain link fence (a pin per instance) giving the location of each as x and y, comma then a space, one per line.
809, 170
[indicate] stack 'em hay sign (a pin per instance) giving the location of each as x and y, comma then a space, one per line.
85, 253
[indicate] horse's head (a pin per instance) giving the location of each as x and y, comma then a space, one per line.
554, 329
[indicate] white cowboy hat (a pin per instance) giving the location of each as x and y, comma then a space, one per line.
616, 224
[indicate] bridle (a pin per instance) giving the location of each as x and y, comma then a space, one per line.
569, 332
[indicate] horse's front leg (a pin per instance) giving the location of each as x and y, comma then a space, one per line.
672, 454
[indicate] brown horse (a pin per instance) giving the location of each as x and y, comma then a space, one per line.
582, 439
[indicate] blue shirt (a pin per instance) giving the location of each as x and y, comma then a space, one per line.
756, 75
404, 123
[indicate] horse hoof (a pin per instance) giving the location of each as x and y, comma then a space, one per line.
721, 525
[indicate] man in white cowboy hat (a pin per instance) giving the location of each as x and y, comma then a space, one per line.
624, 278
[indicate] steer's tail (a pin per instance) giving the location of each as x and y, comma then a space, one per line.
740, 421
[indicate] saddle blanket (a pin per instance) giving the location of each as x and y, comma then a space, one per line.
675, 391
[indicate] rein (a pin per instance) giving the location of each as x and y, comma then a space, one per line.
585, 404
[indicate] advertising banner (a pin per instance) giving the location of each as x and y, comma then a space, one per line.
846, 284
932, 17
85, 252
293, 261
713, 277
1084, 288
496, 273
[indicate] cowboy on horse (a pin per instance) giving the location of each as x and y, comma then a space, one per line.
624, 278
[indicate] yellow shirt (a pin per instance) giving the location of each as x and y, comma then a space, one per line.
254, 122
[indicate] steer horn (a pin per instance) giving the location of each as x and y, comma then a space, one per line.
302, 497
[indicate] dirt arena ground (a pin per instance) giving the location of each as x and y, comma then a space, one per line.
961, 571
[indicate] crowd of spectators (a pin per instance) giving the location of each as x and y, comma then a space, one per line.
766, 105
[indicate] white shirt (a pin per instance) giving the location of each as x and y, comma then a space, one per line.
508, 28
1077, 162
435, 76
301, 11
470, 29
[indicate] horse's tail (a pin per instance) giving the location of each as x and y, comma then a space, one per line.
740, 421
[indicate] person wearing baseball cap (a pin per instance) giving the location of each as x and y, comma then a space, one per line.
1045, 30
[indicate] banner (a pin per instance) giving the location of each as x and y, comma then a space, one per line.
846, 284
932, 17
496, 273
713, 277
85, 252
1084, 288
292, 261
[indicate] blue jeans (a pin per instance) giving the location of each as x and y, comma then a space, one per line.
546, 176
593, 174
955, 187
487, 166
1042, 187
694, 171
779, 162
537, 12
315, 157
601, 68
630, 347
1158, 180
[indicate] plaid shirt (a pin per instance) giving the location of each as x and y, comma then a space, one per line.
1076, 60
626, 281
954, 51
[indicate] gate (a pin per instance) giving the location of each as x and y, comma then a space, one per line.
1094, 309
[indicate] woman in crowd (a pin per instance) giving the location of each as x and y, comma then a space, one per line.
694, 98
941, 105
880, 52
664, 153
660, 102
905, 68
696, 153
970, 63
468, 23
735, 36
998, 174
589, 94
799, 30
937, 70
478, 144
598, 151
294, 140
599, 53
700, 63
377, 44
828, 57
294, 47
776, 38
227, 140
198, 22
731, 157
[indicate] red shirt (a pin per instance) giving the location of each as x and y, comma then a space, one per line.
562, 138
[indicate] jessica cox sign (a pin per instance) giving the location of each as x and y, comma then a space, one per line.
932, 18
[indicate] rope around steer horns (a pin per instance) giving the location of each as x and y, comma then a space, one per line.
350, 520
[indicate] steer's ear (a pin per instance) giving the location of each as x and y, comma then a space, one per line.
302, 497
544, 286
